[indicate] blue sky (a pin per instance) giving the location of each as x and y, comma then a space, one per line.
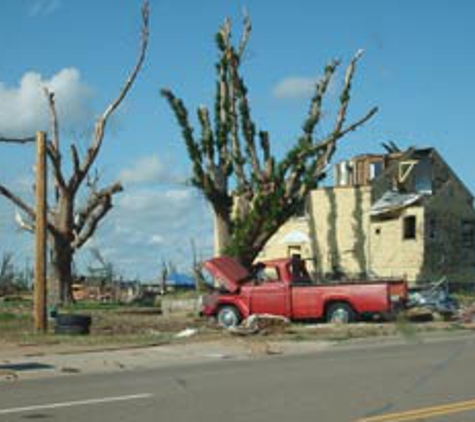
418, 68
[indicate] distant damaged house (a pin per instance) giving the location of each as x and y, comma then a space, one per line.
392, 215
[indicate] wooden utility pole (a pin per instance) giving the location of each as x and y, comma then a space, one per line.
41, 322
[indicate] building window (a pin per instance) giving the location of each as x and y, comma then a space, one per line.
294, 250
468, 233
409, 227
375, 169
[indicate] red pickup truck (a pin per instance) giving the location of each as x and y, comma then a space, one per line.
283, 287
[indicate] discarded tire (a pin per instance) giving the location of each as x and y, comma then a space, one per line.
73, 324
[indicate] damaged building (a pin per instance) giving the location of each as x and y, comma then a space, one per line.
401, 214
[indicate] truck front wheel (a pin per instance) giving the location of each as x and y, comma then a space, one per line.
228, 316
340, 313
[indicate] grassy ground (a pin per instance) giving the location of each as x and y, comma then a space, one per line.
112, 325
117, 325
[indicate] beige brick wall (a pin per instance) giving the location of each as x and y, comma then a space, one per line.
340, 218
281, 244
343, 236
390, 254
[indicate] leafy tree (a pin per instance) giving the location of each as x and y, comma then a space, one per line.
253, 192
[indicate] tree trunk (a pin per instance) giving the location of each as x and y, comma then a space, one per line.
61, 268
221, 234
62, 252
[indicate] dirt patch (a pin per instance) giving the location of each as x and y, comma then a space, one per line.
123, 327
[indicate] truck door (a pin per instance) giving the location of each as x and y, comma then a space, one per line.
270, 297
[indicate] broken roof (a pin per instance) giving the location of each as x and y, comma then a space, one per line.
394, 201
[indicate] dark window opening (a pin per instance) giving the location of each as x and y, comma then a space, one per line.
423, 176
468, 234
409, 227
378, 231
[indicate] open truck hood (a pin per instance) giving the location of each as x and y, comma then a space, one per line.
228, 272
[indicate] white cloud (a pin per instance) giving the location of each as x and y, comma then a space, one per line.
156, 239
159, 202
149, 170
23, 109
294, 87
151, 224
43, 7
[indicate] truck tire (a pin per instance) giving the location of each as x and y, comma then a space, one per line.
340, 313
72, 324
228, 316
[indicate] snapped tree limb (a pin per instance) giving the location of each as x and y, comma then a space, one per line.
101, 123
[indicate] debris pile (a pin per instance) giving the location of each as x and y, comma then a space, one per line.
261, 324
432, 301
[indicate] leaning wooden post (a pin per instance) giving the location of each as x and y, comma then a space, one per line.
41, 322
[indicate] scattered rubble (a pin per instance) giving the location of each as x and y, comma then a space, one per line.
261, 324
432, 302
467, 315
186, 333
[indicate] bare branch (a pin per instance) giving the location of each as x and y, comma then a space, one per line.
245, 34
97, 214
53, 117
345, 94
101, 123
53, 147
21, 204
75, 158
15, 199
359, 122
55, 158
23, 224
315, 111
99, 203
133, 75
93, 201
27, 140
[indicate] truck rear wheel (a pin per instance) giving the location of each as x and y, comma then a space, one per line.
228, 316
340, 313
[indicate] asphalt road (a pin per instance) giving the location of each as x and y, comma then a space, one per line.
424, 382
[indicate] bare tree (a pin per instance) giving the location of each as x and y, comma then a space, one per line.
196, 268
7, 271
164, 273
13, 280
252, 192
70, 225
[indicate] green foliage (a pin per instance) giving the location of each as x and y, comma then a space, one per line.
250, 190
